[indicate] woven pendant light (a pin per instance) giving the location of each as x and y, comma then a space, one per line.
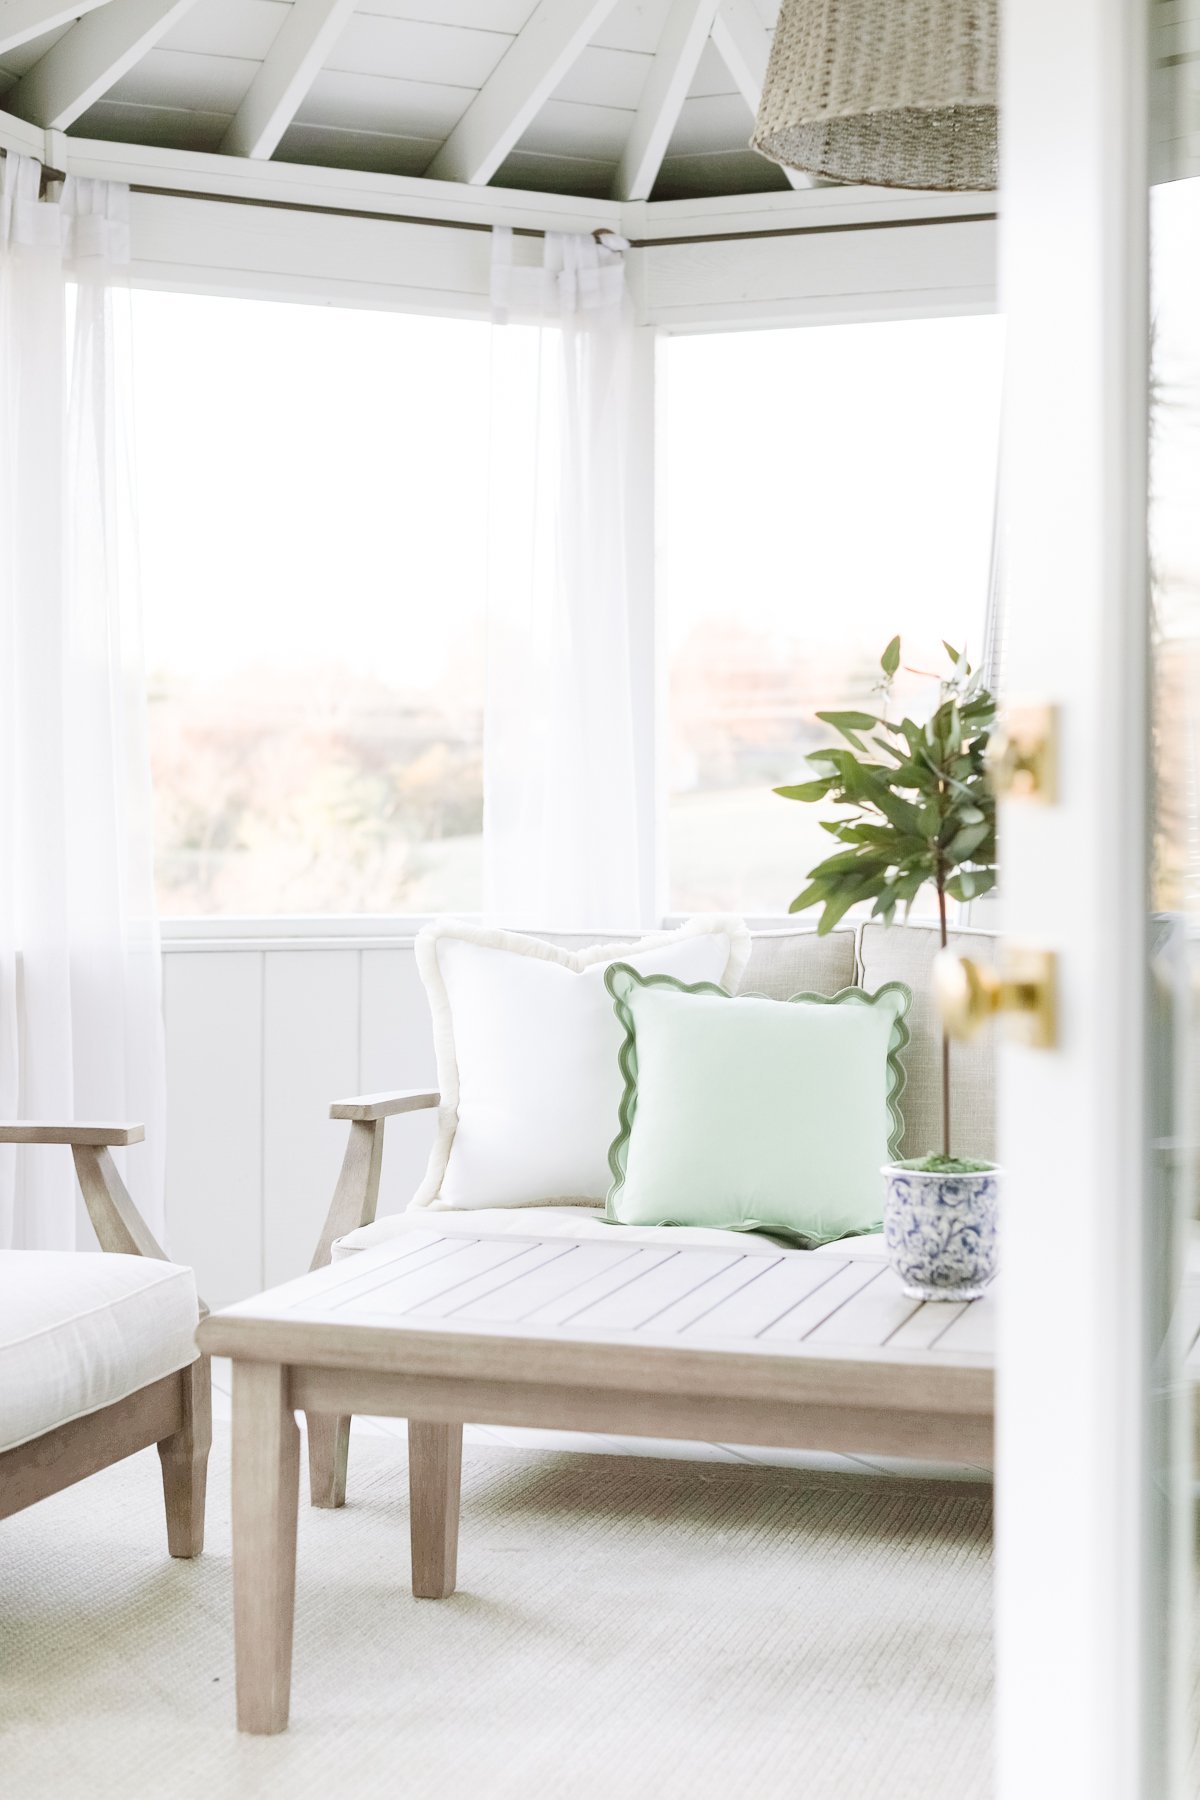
894, 93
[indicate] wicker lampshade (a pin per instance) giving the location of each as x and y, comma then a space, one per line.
894, 93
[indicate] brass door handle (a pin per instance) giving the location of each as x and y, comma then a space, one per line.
1022, 988
1022, 755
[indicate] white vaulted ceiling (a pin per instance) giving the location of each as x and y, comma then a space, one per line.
615, 98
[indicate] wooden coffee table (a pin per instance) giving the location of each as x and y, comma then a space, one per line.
808, 1352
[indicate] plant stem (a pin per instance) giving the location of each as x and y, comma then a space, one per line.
941, 897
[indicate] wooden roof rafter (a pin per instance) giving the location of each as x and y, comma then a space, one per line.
685, 34
306, 37
23, 20
553, 39
89, 58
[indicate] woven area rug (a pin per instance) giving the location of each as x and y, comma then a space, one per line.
625, 1628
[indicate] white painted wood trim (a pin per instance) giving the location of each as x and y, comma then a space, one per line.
82, 66
305, 39
1075, 1489
684, 37
20, 136
528, 73
782, 211
351, 191
741, 43
22, 20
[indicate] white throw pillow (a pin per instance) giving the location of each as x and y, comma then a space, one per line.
527, 1045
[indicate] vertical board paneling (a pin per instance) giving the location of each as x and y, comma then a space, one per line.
397, 1052
212, 1004
310, 1057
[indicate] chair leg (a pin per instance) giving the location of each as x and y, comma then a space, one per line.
434, 1486
328, 1449
184, 1458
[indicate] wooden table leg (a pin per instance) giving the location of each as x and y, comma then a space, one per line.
434, 1484
266, 1491
328, 1450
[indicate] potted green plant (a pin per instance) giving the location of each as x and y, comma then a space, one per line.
919, 812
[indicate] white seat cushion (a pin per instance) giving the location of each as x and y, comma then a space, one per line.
79, 1330
582, 1222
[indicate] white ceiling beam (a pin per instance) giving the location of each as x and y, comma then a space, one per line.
304, 40
21, 20
524, 79
684, 37
90, 58
741, 42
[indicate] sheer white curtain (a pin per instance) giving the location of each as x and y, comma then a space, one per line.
80, 1013
563, 791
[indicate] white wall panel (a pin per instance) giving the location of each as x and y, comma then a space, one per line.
190, 244
928, 269
310, 1057
213, 1009
397, 1052
261, 1037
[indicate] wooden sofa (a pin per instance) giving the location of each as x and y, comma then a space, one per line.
782, 962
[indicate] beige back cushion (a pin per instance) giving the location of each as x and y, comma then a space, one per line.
905, 953
784, 962
797, 961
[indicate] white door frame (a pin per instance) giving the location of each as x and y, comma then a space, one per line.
1075, 1510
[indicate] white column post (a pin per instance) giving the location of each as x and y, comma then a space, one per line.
1074, 1508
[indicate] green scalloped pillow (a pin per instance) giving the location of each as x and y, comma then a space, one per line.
751, 1114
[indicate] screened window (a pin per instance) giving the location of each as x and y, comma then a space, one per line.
821, 489
312, 497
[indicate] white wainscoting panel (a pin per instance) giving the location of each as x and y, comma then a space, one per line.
261, 1036
310, 1057
214, 1033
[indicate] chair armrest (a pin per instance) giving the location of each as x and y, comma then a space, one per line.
44, 1131
369, 1107
357, 1192
118, 1224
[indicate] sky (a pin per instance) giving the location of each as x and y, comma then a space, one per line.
836, 481
313, 482
311, 485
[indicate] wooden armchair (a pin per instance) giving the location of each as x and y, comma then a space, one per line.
354, 1201
62, 1421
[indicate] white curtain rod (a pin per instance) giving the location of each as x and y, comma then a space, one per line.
709, 237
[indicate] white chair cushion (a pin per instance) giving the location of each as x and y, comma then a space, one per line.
79, 1330
582, 1222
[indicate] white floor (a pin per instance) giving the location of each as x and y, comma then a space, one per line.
511, 1437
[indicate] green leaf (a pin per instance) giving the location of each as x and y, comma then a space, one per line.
850, 724
861, 857
971, 884
951, 652
889, 662
814, 892
806, 790
857, 721
965, 842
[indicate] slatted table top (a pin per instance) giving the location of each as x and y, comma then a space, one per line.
431, 1303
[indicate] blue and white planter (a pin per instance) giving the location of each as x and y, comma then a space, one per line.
940, 1230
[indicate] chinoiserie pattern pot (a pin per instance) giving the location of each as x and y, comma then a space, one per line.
940, 1230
